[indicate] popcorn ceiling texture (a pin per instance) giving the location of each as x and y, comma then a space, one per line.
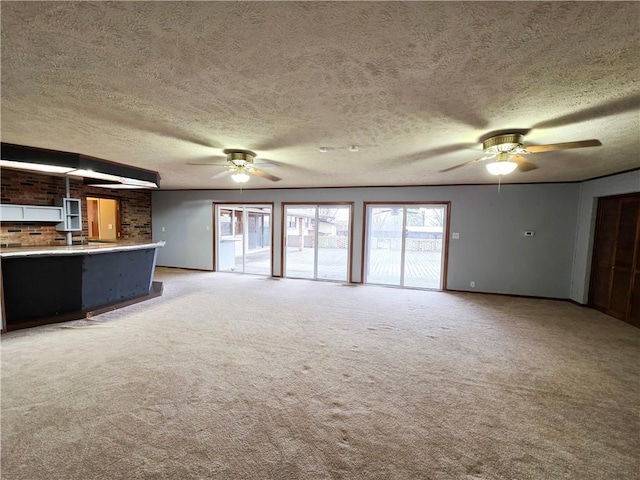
414, 84
22, 188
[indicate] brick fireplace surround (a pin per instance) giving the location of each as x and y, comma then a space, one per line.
27, 188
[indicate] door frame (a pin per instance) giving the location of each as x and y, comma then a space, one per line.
239, 204
283, 238
445, 237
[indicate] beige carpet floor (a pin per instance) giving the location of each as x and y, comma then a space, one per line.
230, 376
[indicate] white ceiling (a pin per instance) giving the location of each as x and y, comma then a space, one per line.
414, 84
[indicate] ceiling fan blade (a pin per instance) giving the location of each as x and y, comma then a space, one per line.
562, 146
486, 157
613, 107
220, 174
262, 174
437, 151
523, 164
265, 164
208, 163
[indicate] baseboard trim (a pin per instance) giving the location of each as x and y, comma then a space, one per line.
515, 295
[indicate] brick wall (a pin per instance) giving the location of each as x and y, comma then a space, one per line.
26, 188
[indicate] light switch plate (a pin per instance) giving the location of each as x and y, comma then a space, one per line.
455, 235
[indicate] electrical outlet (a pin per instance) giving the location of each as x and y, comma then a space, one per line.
472, 284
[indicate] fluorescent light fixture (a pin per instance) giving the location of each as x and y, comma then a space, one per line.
240, 177
503, 167
96, 175
121, 183
134, 183
52, 161
121, 186
38, 167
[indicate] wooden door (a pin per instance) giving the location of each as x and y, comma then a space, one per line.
615, 270
92, 216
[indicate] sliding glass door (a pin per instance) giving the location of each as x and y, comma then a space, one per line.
317, 241
405, 245
243, 240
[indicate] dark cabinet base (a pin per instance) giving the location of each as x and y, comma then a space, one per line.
46, 289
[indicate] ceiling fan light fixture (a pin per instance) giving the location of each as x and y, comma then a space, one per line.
240, 177
503, 167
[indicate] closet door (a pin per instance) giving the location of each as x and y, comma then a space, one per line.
603, 253
634, 314
615, 268
623, 261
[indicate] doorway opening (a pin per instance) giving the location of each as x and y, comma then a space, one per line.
406, 245
317, 241
243, 239
103, 217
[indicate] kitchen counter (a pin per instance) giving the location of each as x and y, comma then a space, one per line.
77, 249
52, 284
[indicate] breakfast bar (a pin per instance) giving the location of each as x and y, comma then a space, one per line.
42, 285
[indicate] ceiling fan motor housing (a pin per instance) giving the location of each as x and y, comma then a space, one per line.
239, 157
503, 143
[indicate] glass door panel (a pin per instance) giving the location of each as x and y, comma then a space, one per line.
243, 239
423, 246
333, 243
405, 245
300, 242
317, 242
227, 240
257, 258
384, 245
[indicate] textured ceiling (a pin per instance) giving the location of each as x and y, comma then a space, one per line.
414, 84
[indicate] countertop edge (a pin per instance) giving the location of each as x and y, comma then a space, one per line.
76, 249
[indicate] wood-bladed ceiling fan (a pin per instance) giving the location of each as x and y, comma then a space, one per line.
240, 165
507, 150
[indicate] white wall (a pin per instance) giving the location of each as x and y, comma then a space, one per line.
492, 249
589, 193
